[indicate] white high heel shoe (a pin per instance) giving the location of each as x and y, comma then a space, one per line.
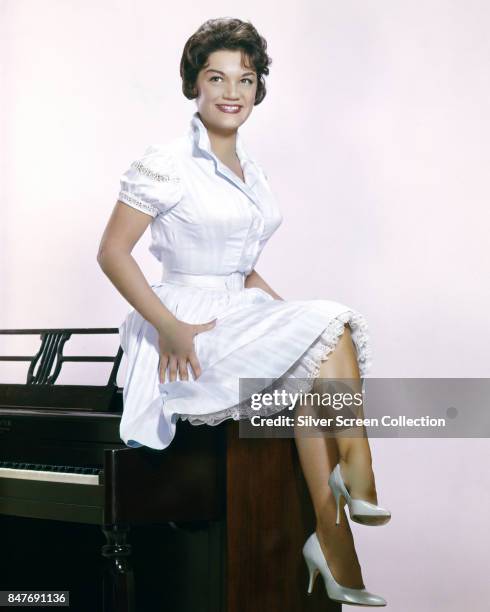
316, 562
360, 511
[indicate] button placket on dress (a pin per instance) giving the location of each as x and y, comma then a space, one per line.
257, 225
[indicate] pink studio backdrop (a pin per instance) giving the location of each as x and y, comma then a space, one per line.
375, 136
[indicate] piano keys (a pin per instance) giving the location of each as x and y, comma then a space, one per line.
50, 473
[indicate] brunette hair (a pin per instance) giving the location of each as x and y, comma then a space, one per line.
224, 33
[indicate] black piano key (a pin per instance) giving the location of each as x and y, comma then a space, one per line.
44, 467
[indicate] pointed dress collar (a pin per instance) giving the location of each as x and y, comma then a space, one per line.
199, 136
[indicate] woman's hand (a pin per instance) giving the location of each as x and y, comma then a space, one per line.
176, 347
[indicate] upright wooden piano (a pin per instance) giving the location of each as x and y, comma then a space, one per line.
61, 458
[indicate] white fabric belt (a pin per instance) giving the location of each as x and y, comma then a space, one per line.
234, 281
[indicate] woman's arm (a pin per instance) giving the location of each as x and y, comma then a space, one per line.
255, 280
124, 228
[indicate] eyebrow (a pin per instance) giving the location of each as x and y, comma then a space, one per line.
213, 70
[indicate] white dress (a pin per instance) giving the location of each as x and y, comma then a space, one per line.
208, 230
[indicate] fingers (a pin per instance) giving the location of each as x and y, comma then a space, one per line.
162, 367
172, 368
196, 368
183, 369
179, 365
176, 364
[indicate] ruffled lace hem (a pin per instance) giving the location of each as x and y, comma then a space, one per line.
305, 369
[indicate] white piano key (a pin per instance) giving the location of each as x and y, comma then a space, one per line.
86, 479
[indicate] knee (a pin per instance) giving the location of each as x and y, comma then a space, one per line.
346, 341
347, 333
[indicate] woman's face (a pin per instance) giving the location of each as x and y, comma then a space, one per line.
225, 81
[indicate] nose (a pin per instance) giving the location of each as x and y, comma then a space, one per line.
230, 92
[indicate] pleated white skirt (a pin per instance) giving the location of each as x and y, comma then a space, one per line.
254, 337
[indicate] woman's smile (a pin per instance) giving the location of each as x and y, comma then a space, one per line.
229, 108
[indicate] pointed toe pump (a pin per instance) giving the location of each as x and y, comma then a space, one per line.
360, 511
317, 564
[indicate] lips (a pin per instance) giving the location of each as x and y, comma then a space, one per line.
229, 108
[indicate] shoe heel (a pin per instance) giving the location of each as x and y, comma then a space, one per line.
360, 511
314, 571
337, 492
337, 499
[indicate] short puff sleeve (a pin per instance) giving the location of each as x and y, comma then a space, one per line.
152, 183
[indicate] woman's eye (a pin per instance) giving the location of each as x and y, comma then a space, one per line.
218, 77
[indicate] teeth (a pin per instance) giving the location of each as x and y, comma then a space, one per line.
231, 108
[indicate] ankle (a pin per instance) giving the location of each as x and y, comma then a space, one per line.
358, 477
356, 466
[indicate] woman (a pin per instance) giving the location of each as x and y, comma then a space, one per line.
213, 318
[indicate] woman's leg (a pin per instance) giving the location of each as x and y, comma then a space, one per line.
353, 444
318, 456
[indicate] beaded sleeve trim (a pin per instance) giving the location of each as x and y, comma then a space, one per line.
146, 208
163, 178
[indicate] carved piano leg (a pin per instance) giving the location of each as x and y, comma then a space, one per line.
118, 579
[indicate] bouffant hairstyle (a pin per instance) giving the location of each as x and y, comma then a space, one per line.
224, 33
